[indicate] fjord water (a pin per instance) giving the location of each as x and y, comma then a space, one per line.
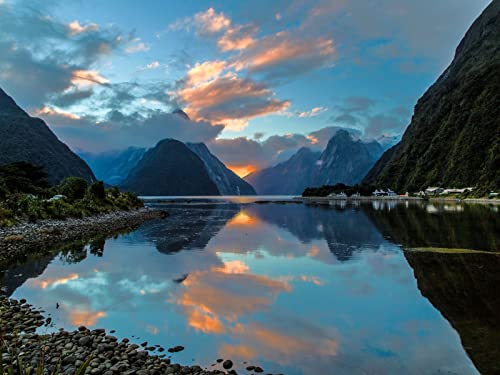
293, 288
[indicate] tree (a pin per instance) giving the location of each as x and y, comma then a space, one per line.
73, 188
23, 177
97, 191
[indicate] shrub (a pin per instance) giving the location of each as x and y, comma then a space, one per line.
24, 177
73, 187
97, 191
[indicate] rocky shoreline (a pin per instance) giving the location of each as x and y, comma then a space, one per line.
22, 239
66, 352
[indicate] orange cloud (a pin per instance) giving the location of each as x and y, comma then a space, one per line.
85, 318
312, 112
284, 49
312, 279
44, 284
205, 71
283, 348
205, 322
210, 21
209, 306
76, 28
87, 78
237, 38
55, 112
233, 266
242, 170
229, 100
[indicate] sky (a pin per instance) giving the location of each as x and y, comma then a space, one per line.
258, 79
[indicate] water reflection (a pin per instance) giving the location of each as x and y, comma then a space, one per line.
296, 289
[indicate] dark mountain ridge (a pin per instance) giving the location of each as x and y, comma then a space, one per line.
29, 139
170, 168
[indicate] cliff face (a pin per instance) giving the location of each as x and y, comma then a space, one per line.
29, 139
454, 135
170, 168
227, 181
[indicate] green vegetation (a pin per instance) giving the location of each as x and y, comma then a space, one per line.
325, 190
25, 194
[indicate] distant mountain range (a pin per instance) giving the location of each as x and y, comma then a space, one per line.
113, 167
345, 160
454, 136
287, 178
26, 138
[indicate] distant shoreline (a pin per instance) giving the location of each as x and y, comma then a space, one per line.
400, 198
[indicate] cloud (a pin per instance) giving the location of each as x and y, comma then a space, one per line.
204, 72
71, 96
227, 99
394, 27
233, 90
245, 155
153, 65
312, 112
52, 112
286, 54
119, 131
384, 123
76, 28
33, 74
210, 22
136, 45
205, 23
362, 113
237, 38
87, 78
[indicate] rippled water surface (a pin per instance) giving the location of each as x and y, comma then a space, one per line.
294, 288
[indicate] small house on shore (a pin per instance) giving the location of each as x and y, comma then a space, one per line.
434, 190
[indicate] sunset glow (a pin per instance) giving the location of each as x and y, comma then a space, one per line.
242, 170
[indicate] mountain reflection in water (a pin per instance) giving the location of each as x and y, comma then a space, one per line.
293, 288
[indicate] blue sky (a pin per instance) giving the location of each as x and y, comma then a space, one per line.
258, 79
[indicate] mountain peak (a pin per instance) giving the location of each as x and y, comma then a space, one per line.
181, 113
8, 106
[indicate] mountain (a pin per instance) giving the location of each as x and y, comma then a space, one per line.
345, 160
228, 183
289, 178
26, 138
453, 139
170, 168
113, 167
181, 113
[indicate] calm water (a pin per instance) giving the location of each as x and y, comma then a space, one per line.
293, 288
